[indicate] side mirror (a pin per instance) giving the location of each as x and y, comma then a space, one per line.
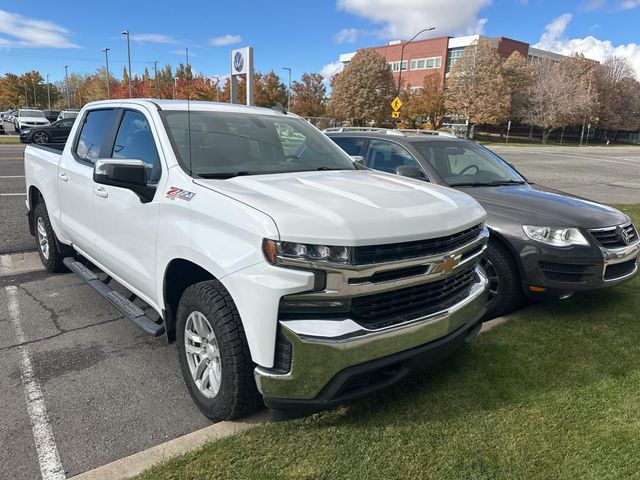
357, 159
124, 173
410, 171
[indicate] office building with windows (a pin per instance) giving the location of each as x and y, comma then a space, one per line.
438, 55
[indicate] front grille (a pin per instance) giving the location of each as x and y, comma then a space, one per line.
561, 272
421, 248
612, 237
389, 308
619, 270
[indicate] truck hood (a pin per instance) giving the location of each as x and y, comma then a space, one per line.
538, 205
352, 207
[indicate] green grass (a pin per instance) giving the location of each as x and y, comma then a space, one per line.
552, 394
9, 139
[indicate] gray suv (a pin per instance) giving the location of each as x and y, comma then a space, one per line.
544, 243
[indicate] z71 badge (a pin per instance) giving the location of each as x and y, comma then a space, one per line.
175, 192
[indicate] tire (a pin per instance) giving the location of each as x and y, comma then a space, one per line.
51, 251
505, 286
40, 138
226, 388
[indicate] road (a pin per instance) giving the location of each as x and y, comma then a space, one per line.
107, 389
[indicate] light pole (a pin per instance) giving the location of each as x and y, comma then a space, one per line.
106, 61
217, 87
175, 86
48, 93
155, 78
35, 98
26, 99
402, 54
66, 85
288, 89
126, 33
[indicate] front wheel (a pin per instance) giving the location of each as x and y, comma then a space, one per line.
40, 138
213, 352
505, 287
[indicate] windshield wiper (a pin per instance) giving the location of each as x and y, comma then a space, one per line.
331, 168
225, 175
493, 183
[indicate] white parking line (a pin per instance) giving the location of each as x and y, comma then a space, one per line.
11, 176
48, 456
12, 194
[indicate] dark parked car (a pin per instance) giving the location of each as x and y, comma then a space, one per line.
544, 243
57, 132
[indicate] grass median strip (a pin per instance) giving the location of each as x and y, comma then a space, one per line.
552, 394
9, 140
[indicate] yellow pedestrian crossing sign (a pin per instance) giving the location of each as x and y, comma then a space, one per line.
395, 114
396, 104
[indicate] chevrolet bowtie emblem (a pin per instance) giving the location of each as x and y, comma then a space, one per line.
447, 265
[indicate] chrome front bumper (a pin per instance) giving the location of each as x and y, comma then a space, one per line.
323, 348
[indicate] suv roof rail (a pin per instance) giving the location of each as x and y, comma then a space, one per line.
389, 131
426, 132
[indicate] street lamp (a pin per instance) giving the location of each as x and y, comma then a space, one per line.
175, 86
217, 87
66, 85
48, 93
155, 78
126, 33
35, 98
106, 59
402, 54
288, 89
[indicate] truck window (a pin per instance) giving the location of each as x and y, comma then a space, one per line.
135, 141
96, 128
351, 145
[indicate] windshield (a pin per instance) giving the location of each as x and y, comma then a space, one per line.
466, 163
225, 144
30, 113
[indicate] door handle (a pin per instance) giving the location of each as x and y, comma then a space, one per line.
101, 192
63, 176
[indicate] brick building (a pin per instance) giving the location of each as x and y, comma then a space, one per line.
437, 55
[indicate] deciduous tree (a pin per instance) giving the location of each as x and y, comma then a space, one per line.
363, 91
309, 95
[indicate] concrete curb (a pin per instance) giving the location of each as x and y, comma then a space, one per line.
137, 463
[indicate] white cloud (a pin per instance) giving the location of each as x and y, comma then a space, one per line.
629, 4
225, 40
554, 39
347, 35
152, 38
28, 32
181, 52
329, 70
404, 19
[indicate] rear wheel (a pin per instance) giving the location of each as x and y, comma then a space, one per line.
213, 352
40, 138
505, 289
51, 252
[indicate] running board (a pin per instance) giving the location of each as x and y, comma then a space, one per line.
126, 307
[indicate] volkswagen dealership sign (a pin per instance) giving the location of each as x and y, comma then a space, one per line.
242, 64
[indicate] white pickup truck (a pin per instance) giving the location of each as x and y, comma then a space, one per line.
284, 271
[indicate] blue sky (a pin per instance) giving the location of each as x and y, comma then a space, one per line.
305, 35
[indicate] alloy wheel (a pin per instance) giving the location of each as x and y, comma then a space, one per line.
43, 239
203, 354
492, 276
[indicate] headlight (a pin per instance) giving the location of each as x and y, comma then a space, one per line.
557, 237
276, 252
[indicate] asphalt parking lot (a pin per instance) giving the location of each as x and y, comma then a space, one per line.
105, 390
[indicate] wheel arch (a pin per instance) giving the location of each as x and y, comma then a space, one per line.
179, 275
500, 239
34, 197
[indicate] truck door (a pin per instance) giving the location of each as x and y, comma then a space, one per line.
125, 226
75, 177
